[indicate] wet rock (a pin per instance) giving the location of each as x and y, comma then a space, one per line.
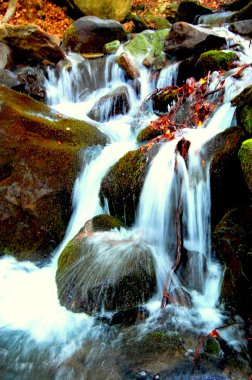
122, 186
130, 316
243, 102
243, 13
89, 34
225, 166
31, 82
117, 102
6, 56
215, 60
148, 133
232, 241
158, 22
29, 43
189, 11
128, 65
185, 40
100, 222
245, 156
8, 78
244, 28
39, 163
105, 272
106, 9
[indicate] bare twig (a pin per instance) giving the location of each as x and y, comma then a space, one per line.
11, 8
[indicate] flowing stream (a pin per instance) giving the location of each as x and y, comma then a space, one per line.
41, 339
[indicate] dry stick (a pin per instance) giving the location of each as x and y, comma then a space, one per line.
11, 8
178, 254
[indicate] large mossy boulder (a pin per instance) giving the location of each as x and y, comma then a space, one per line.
243, 102
122, 185
228, 187
30, 43
189, 11
106, 9
38, 166
147, 43
215, 60
245, 156
233, 244
185, 40
105, 272
89, 34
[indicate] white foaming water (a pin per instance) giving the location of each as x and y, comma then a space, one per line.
168, 75
34, 328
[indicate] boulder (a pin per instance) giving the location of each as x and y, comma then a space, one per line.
226, 193
30, 43
89, 34
215, 60
243, 13
105, 272
189, 11
148, 133
6, 56
31, 82
117, 102
185, 40
106, 9
128, 65
8, 78
245, 156
38, 166
244, 28
122, 185
232, 241
243, 102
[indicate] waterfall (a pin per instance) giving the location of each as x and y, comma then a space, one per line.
39, 337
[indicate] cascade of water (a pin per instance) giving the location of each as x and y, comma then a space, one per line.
168, 75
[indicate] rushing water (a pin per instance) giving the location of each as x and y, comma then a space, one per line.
39, 338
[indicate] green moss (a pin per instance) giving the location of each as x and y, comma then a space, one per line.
245, 156
158, 22
147, 42
212, 346
111, 47
106, 223
243, 102
70, 255
216, 60
147, 134
70, 37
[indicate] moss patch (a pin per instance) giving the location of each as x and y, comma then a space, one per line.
147, 134
147, 42
244, 109
106, 223
215, 60
245, 156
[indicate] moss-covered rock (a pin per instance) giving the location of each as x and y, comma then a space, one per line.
189, 11
106, 9
122, 185
245, 156
147, 43
212, 346
226, 193
38, 165
232, 241
111, 47
158, 22
147, 134
105, 223
105, 272
215, 60
243, 102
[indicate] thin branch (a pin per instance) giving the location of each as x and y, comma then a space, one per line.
11, 8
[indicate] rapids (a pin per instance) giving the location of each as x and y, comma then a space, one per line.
41, 339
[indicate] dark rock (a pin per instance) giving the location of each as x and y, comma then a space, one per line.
235, 5
215, 60
244, 28
123, 184
184, 40
130, 316
245, 156
39, 163
31, 82
189, 11
233, 244
8, 78
89, 34
117, 102
243, 102
100, 272
6, 56
30, 44
243, 13
225, 166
